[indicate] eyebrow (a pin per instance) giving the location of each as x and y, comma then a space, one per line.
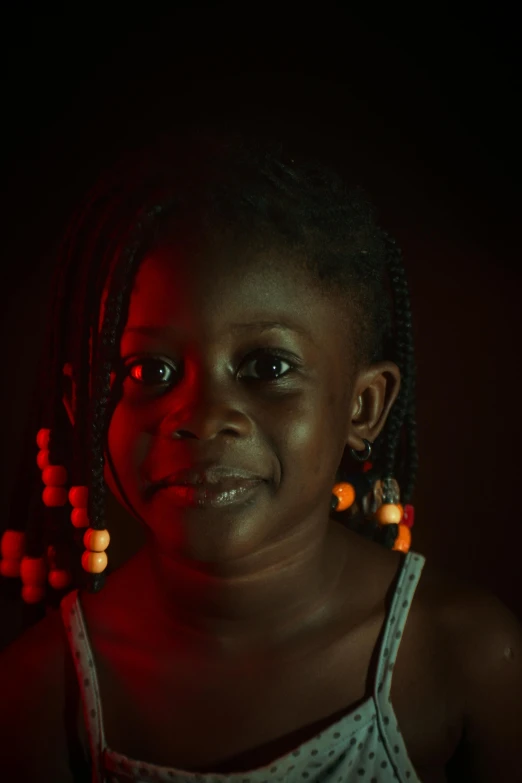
155, 331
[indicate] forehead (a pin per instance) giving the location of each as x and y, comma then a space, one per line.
207, 291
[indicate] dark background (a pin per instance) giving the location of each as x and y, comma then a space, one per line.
418, 105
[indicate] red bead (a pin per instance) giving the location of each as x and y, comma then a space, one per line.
54, 476
33, 571
367, 466
42, 459
43, 437
409, 516
78, 497
59, 578
13, 544
79, 517
10, 568
33, 594
54, 496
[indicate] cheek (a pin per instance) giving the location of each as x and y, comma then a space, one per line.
310, 444
127, 446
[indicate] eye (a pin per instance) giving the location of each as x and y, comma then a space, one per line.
150, 372
267, 365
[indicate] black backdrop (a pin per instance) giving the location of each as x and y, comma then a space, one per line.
419, 109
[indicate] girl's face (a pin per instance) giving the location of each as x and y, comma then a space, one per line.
233, 358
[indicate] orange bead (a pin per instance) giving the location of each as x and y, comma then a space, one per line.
79, 517
94, 562
54, 476
42, 459
403, 540
96, 540
33, 571
59, 578
78, 497
10, 568
54, 496
43, 437
388, 514
345, 494
33, 594
13, 544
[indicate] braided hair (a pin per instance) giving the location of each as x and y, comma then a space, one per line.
228, 187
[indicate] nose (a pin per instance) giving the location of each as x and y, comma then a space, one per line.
205, 407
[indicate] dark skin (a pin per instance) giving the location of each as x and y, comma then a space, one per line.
254, 573
272, 577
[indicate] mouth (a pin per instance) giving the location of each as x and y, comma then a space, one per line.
227, 492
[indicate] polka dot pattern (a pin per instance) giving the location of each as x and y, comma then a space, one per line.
365, 745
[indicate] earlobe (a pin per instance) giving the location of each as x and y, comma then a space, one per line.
69, 395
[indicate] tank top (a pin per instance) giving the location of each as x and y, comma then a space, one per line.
365, 745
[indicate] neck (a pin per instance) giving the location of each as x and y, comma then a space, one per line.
265, 600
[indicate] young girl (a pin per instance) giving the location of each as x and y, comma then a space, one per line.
231, 355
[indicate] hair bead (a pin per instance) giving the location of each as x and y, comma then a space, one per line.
403, 540
409, 515
388, 514
96, 540
33, 594
33, 571
42, 459
78, 497
79, 517
13, 544
59, 578
43, 437
10, 567
94, 562
345, 494
54, 476
54, 496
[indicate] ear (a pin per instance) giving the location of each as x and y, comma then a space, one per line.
69, 392
378, 387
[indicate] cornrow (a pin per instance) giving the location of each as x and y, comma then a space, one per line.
233, 189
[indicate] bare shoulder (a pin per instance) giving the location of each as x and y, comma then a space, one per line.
474, 621
32, 684
482, 641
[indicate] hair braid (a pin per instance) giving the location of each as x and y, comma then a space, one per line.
404, 357
114, 317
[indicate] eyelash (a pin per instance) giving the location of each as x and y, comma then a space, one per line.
252, 358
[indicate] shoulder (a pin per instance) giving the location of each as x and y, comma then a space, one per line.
478, 627
32, 684
482, 641
475, 625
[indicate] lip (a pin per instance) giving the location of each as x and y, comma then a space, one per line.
228, 492
208, 474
